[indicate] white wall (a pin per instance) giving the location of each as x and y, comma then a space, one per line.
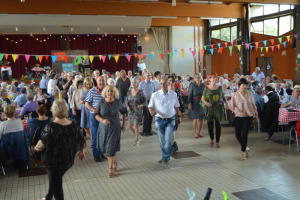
182, 37
148, 46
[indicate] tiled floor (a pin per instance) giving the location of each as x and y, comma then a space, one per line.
272, 166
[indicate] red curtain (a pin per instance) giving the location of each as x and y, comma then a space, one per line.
44, 44
101, 45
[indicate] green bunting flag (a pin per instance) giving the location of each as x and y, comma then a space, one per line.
1, 56
280, 40
171, 54
204, 47
109, 56
37, 57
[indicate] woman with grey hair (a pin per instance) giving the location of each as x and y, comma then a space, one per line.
135, 101
111, 81
288, 87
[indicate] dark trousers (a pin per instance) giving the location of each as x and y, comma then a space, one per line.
55, 184
44, 91
78, 117
211, 130
242, 126
147, 124
273, 127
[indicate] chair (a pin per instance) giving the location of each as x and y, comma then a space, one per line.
34, 141
14, 146
30, 115
296, 136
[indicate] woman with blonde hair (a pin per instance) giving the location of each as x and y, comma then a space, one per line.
85, 113
73, 88
109, 129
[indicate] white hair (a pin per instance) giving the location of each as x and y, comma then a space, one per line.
257, 68
109, 80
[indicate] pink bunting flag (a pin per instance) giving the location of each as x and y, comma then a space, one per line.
272, 47
248, 46
242, 43
144, 55
232, 43
194, 54
296, 36
103, 58
17, 56
27, 58
190, 49
128, 57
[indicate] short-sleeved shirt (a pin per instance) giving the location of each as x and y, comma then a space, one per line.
258, 77
289, 98
21, 99
148, 88
30, 106
164, 104
93, 97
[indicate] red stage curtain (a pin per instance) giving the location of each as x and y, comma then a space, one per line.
111, 44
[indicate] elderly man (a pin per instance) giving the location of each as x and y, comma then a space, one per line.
164, 105
44, 84
292, 100
30, 106
21, 99
13, 92
279, 89
148, 87
91, 101
258, 75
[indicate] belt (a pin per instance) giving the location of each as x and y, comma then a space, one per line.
196, 98
165, 119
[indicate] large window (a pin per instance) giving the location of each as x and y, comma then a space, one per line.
216, 34
260, 10
226, 34
215, 22
285, 24
271, 27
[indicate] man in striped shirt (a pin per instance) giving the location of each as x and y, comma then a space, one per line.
92, 99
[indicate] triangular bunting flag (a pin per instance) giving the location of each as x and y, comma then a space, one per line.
265, 42
296, 36
267, 48
6, 56
14, 56
212, 51
140, 57
161, 55
287, 38
182, 50
129, 56
46, 57
66, 58
100, 57
150, 56
198, 48
280, 40
168, 52
261, 49
103, 59
40, 58
117, 57
78, 60
27, 58
135, 55
175, 51
248, 46
144, 55
17, 56
109, 56
251, 47
230, 49
37, 58
202, 51
212, 46
153, 53
278, 46
272, 41
243, 43
284, 44
219, 45
194, 54
256, 44
256, 48
84, 57
291, 40
1, 56
225, 44
162, 52
239, 47
272, 47
221, 50
190, 49
53, 58
171, 54
91, 59
182, 54
204, 48
232, 43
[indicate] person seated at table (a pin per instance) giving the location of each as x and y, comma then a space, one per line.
12, 124
40, 97
271, 111
31, 89
29, 107
3, 96
292, 100
21, 99
288, 87
39, 122
13, 92
279, 89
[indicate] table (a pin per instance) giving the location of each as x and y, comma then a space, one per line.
38, 71
26, 128
287, 116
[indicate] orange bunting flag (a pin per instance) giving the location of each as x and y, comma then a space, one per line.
291, 40
202, 51
272, 41
66, 58
239, 47
182, 54
100, 57
221, 49
6, 56
225, 44
256, 48
135, 55
140, 57
161, 55
278, 46
117, 57
267, 48
256, 44
91, 58
40, 58
14, 56
182, 50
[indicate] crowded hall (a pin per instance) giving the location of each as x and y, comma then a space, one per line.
149, 99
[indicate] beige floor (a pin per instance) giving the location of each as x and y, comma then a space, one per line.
271, 165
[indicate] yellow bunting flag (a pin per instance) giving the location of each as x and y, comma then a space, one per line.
239, 47
91, 58
153, 53
84, 57
100, 57
267, 48
117, 58
182, 54
14, 57
198, 48
287, 38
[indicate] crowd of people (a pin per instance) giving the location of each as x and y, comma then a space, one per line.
91, 104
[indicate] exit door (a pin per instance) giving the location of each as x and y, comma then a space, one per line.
266, 65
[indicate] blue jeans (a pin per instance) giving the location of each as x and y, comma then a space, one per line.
164, 129
94, 128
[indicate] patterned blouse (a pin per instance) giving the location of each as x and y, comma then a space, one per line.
244, 106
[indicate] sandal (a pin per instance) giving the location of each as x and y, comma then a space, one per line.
110, 175
201, 136
115, 165
218, 145
243, 156
211, 143
247, 152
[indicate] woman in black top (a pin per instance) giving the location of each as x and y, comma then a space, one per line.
123, 85
60, 141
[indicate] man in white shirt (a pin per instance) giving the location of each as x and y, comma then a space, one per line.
156, 81
258, 75
164, 105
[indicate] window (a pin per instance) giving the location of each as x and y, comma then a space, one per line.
233, 33
260, 10
270, 9
284, 7
271, 27
214, 22
224, 21
225, 34
216, 34
257, 27
233, 20
256, 11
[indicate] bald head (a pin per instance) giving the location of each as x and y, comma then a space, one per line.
101, 82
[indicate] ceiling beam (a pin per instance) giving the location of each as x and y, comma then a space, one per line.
180, 21
75, 7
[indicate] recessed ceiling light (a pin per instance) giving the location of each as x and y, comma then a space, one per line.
98, 29
17, 29
72, 29
122, 29
44, 29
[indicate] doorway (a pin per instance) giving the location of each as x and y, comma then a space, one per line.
266, 65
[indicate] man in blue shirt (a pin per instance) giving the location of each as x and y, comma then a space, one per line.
21, 99
44, 84
258, 75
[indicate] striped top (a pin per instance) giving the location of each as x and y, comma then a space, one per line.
93, 97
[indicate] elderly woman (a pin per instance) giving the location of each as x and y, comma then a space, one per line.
3, 96
244, 108
76, 103
39, 122
40, 97
213, 98
195, 109
73, 87
13, 92
123, 84
111, 81
60, 141
288, 87
135, 102
11, 124
109, 129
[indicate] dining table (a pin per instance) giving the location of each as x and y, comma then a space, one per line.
288, 115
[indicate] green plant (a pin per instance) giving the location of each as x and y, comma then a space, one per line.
4, 63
